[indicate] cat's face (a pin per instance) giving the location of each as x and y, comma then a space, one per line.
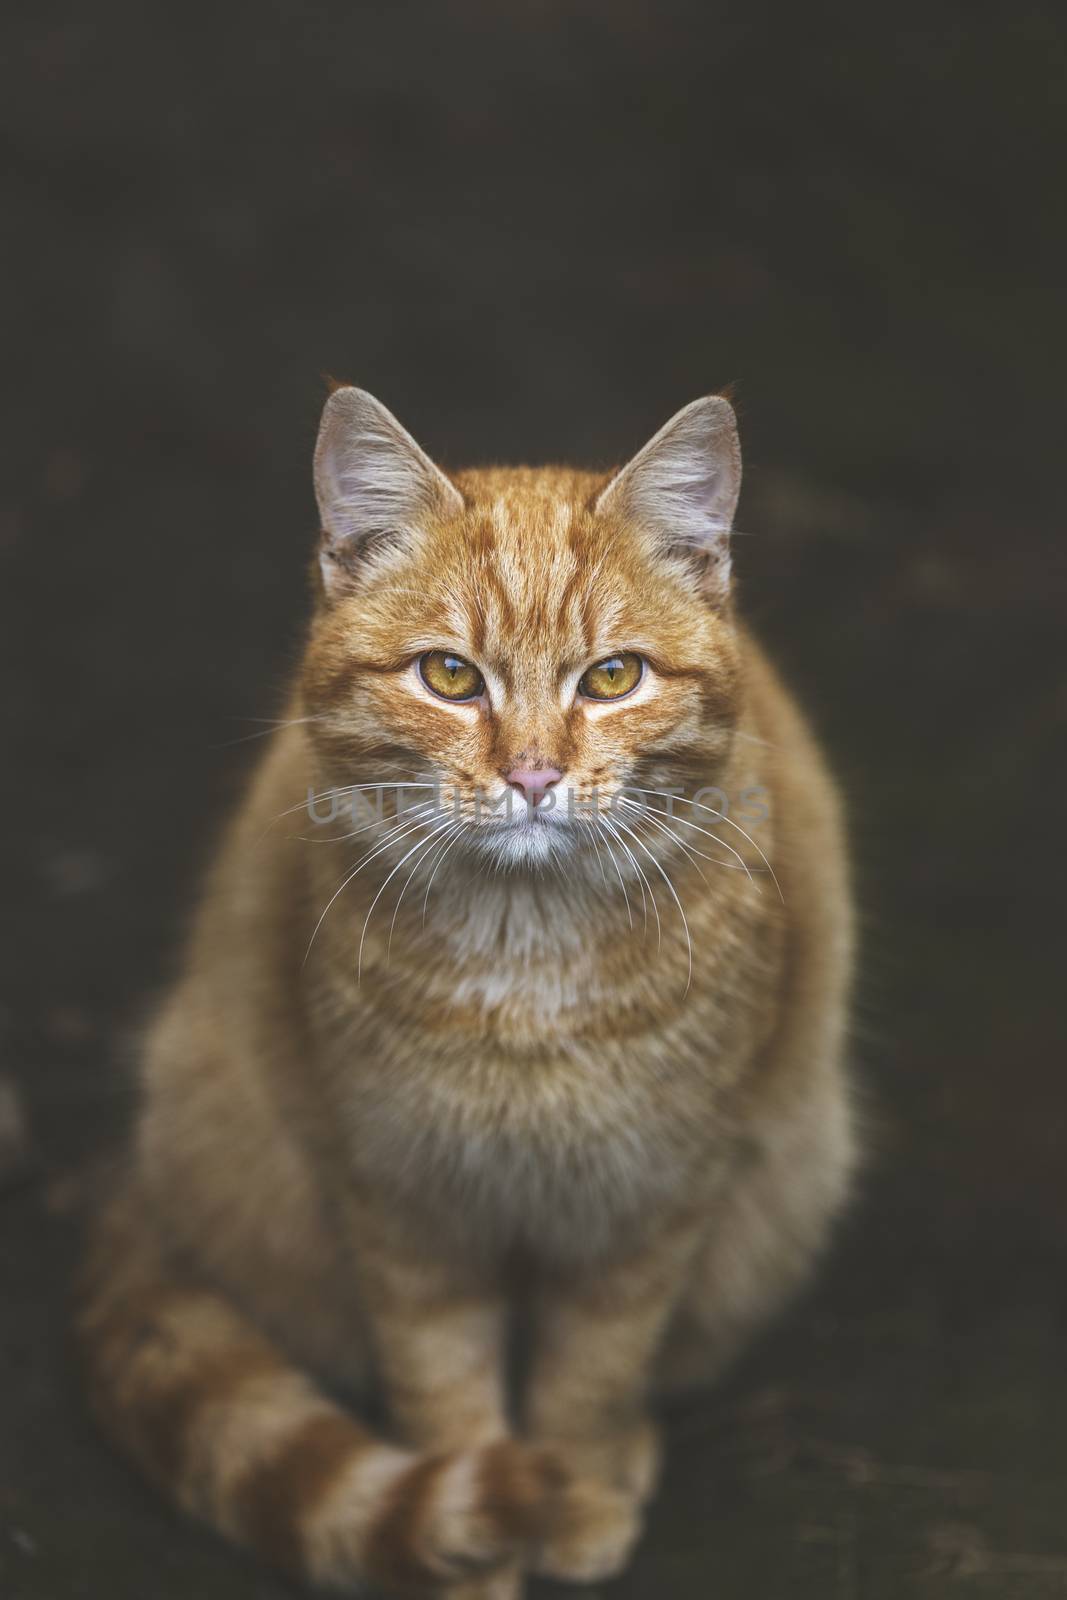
531, 641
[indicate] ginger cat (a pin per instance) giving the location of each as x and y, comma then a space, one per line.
432, 1072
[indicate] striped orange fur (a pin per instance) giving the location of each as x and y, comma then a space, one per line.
427, 1069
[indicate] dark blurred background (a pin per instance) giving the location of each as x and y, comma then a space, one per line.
535, 230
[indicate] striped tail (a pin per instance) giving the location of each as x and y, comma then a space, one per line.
215, 1415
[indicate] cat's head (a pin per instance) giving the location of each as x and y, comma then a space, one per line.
532, 640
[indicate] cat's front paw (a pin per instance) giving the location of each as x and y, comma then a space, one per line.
595, 1531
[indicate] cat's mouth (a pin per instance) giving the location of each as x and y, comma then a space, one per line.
527, 819
528, 836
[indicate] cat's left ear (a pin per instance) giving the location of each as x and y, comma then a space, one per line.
375, 486
682, 489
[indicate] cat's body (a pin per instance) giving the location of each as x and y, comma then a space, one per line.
532, 1085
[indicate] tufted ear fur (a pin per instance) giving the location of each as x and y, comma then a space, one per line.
682, 488
374, 484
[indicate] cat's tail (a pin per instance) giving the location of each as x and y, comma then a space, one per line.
215, 1414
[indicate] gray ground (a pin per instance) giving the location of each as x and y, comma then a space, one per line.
536, 230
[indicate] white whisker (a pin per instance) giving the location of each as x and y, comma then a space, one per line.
274, 725
645, 813
410, 813
673, 892
741, 864
722, 817
401, 830
622, 881
421, 861
644, 883
337, 793
419, 845
461, 828
588, 826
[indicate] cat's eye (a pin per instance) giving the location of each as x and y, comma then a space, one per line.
613, 677
450, 676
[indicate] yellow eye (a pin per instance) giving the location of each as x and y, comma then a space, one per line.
450, 676
612, 678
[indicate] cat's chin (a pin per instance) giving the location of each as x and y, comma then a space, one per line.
523, 842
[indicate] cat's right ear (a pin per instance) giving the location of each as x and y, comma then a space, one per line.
375, 486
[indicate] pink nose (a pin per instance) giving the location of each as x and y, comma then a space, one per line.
533, 783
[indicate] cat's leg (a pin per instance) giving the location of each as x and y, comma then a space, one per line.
596, 1341
764, 1234
438, 1328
